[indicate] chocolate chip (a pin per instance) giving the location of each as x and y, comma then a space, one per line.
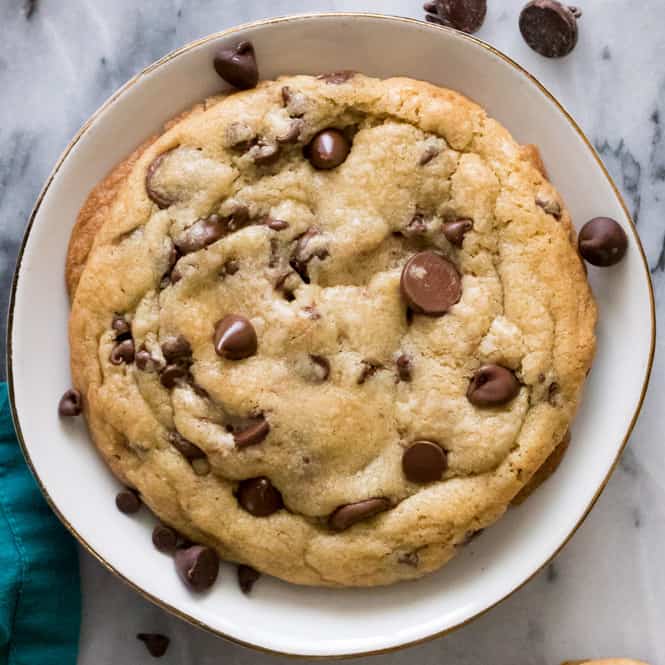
275, 224
335, 78
237, 65
202, 233
127, 502
328, 149
264, 153
197, 566
549, 27
321, 366
173, 374
161, 199
368, 370
549, 205
247, 577
293, 133
431, 151
284, 288
465, 15
144, 360
455, 231
235, 337
305, 250
352, 513
424, 462
155, 643
259, 497
492, 385
254, 433
430, 284
404, 367
185, 447
122, 328
164, 538
71, 403
167, 277
231, 267
176, 347
122, 352
602, 242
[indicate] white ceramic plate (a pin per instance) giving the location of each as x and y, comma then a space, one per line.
280, 617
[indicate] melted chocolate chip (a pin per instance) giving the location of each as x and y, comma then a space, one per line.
328, 149
122, 352
424, 462
252, 434
235, 337
321, 366
164, 538
259, 497
175, 348
352, 513
369, 369
275, 224
549, 27
155, 643
464, 15
602, 242
237, 65
198, 566
264, 153
305, 250
404, 367
231, 267
128, 502
430, 284
202, 233
71, 403
492, 385
122, 328
247, 577
144, 360
173, 374
456, 230
160, 198
185, 447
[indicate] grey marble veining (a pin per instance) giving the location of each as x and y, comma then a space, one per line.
603, 595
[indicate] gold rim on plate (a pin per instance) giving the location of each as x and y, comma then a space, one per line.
136, 79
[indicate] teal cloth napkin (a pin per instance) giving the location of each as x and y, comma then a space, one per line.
40, 599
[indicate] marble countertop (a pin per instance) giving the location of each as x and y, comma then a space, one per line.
602, 595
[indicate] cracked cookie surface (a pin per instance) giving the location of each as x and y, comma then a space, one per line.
254, 362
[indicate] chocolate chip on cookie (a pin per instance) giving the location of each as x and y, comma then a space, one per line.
430, 152
259, 497
202, 233
176, 347
264, 152
144, 360
122, 352
164, 538
464, 15
424, 462
128, 501
308, 246
352, 513
237, 65
368, 368
430, 283
456, 230
602, 242
162, 199
492, 385
198, 566
404, 367
335, 78
252, 434
235, 337
275, 224
549, 27
328, 149
417, 226
70, 404
122, 328
185, 447
247, 577
173, 374
155, 643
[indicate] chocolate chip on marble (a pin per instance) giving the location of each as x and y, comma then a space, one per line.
247, 577
430, 283
328, 149
173, 374
549, 205
368, 370
237, 65
424, 462
198, 566
549, 27
155, 643
259, 497
404, 367
160, 198
465, 15
122, 352
553, 391
335, 78
235, 337
70, 404
164, 538
252, 434
346, 516
292, 134
122, 328
185, 447
307, 247
275, 224
128, 502
176, 347
456, 230
430, 152
602, 242
492, 385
